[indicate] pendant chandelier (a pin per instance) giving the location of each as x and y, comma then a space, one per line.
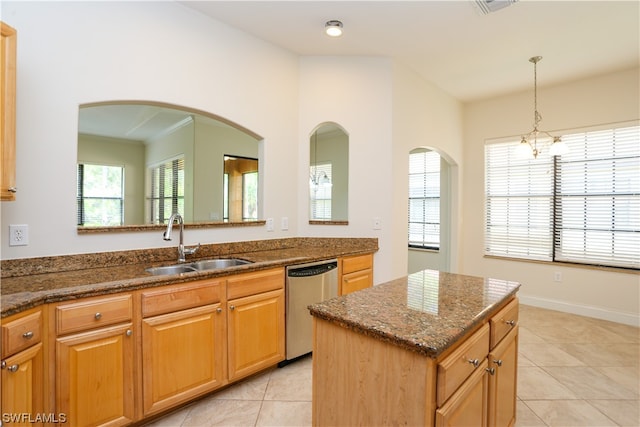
528, 146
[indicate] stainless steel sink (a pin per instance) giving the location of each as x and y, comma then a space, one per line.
209, 264
212, 264
171, 269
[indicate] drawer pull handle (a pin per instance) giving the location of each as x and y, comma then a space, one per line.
474, 362
98, 316
492, 371
27, 335
128, 333
13, 190
510, 322
13, 368
498, 362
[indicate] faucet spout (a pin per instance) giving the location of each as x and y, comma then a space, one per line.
182, 250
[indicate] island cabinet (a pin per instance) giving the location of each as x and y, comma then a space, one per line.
94, 360
356, 273
432, 349
22, 368
256, 321
183, 343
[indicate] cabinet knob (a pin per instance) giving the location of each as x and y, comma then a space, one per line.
510, 322
474, 362
492, 371
98, 316
218, 310
27, 335
13, 190
232, 307
13, 368
129, 332
498, 362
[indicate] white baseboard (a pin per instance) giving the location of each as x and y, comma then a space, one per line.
582, 310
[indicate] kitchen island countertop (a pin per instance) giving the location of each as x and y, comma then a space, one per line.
426, 312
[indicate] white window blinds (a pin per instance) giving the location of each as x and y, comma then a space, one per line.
597, 194
582, 207
424, 199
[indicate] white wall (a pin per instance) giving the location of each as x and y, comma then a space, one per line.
71, 53
606, 99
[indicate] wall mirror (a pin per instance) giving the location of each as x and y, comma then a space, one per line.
139, 162
328, 175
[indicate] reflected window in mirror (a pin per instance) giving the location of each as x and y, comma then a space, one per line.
166, 195
100, 195
328, 175
240, 188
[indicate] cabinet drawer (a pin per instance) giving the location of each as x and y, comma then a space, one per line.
504, 321
21, 333
247, 284
357, 263
454, 369
93, 313
180, 297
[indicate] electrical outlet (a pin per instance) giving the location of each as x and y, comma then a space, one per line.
377, 223
557, 276
18, 234
269, 224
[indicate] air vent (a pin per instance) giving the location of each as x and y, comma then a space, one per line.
489, 6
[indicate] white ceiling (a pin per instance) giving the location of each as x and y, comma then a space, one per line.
450, 43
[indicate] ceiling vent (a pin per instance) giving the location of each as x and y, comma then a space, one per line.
488, 6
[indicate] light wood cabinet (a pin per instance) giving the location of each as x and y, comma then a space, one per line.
183, 351
468, 405
256, 335
356, 273
503, 366
94, 366
7, 112
22, 365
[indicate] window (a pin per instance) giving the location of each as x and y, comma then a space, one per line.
320, 190
424, 199
167, 190
100, 195
582, 207
250, 195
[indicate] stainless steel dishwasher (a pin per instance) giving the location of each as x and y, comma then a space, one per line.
306, 284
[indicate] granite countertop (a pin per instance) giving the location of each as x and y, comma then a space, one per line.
29, 282
425, 312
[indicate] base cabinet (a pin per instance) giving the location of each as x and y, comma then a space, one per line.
22, 378
468, 405
356, 273
503, 366
95, 378
256, 333
182, 356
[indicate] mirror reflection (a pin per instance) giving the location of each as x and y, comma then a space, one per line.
138, 163
329, 175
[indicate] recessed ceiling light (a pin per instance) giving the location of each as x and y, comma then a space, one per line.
333, 28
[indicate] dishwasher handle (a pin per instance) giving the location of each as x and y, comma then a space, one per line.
313, 270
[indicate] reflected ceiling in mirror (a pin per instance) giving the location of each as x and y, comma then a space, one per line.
138, 162
329, 175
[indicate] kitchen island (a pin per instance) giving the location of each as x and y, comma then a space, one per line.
431, 348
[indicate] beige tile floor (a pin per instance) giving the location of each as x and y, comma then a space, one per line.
573, 371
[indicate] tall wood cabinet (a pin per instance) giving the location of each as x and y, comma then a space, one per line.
7, 112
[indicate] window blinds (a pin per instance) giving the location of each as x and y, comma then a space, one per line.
424, 199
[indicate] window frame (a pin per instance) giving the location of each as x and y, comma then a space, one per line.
426, 179
81, 197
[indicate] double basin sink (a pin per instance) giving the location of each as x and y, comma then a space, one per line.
209, 264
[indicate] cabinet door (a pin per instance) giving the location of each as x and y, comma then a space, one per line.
468, 405
256, 333
7, 112
503, 361
182, 356
94, 377
22, 388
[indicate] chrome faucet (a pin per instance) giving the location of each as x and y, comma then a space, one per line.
182, 251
